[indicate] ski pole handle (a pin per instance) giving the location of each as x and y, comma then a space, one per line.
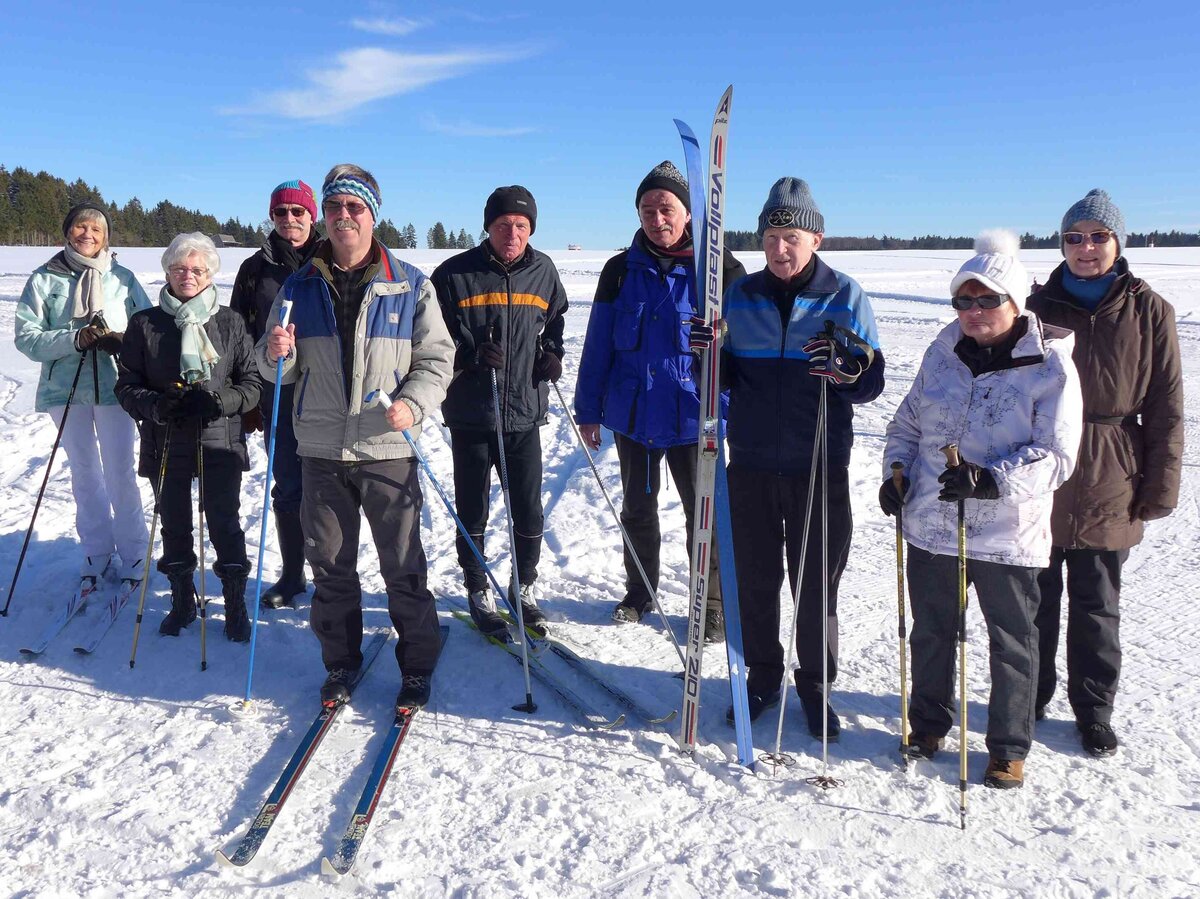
378, 396
898, 477
953, 460
285, 312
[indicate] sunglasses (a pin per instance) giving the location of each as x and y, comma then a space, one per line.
987, 301
333, 208
180, 271
281, 211
1096, 238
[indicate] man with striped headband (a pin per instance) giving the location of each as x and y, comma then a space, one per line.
361, 321
503, 303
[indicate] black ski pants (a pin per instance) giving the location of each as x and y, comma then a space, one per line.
389, 494
1093, 629
641, 479
1008, 598
767, 512
222, 505
475, 454
287, 481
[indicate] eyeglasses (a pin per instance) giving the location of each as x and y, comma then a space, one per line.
332, 207
281, 211
179, 271
987, 301
1096, 238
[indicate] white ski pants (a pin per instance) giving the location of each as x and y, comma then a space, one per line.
98, 442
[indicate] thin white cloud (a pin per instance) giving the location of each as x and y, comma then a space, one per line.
366, 74
393, 27
464, 128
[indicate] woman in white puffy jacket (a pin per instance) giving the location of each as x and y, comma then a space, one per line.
1000, 385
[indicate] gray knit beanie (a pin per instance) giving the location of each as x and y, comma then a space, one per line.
1097, 206
665, 176
790, 204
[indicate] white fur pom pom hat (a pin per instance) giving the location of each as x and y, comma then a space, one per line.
995, 265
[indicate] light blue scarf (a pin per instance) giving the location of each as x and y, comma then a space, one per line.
197, 355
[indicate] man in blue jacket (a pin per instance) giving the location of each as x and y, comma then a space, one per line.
637, 378
775, 355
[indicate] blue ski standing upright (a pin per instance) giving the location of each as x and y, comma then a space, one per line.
712, 502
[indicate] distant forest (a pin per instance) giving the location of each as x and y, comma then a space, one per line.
32, 209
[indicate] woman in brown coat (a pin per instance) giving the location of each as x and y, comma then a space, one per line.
1127, 354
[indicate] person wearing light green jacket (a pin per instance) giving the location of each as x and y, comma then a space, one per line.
71, 318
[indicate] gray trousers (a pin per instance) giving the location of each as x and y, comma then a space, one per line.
1008, 598
389, 494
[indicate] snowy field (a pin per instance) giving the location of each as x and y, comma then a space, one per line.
119, 782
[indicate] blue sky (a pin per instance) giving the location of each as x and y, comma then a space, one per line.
905, 119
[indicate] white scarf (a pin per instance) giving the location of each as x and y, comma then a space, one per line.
197, 355
88, 294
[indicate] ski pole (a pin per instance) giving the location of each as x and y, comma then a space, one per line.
624, 534
45, 480
898, 480
953, 460
777, 757
384, 400
200, 505
514, 594
285, 312
162, 475
824, 780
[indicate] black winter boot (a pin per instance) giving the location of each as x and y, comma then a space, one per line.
233, 585
183, 602
291, 547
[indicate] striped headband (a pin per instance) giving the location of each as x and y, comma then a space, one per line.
348, 184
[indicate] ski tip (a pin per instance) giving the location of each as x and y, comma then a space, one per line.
329, 869
224, 860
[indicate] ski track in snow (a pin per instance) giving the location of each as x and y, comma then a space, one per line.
124, 782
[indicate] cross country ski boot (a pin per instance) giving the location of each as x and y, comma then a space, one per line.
291, 581
336, 689
535, 618
233, 583
183, 600
415, 688
483, 612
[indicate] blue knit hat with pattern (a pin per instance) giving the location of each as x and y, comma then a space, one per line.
1097, 206
348, 184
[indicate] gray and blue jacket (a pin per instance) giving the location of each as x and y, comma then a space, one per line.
400, 345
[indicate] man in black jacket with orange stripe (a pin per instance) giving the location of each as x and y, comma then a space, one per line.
503, 303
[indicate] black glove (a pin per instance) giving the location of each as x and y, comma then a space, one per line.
489, 355
110, 342
89, 335
252, 421
832, 359
547, 367
700, 334
891, 499
166, 407
967, 481
201, 405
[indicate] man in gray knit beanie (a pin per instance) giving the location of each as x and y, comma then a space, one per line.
1097, 206
790, 204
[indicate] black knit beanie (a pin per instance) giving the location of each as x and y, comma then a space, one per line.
74, 211
512, 200
665, 176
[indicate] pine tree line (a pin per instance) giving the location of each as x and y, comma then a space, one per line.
32, 209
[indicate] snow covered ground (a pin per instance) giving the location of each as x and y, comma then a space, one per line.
119, 782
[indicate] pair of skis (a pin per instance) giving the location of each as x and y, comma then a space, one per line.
344, 856
87, 593
712, 493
